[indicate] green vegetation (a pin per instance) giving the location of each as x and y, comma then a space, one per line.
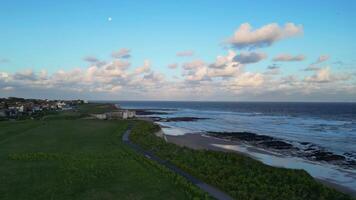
64, 156
96, 108
240, 176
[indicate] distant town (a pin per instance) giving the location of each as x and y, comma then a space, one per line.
21, 108
14, 108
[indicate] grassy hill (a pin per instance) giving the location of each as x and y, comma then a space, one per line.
64, 156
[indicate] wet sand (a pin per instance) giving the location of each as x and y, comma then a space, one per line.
199, 141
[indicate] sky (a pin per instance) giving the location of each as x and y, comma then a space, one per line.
188, 50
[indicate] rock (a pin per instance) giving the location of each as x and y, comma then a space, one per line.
310, 150
320, 155
244, 136
276, 144
305, 143
148, 112
181, 119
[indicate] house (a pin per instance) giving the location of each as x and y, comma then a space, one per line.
36, 108
114, 115
21, 108
3, 113
61, 104
100, 116
131, 113
121, 114
12, 112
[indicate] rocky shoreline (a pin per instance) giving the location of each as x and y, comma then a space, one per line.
180, 119
305, 150
149, 114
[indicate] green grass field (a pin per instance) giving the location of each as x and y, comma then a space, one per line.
66, 157
240, 176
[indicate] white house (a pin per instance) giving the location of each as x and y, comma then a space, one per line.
120, 114
61, 104
21, 108
100, 116
131, 114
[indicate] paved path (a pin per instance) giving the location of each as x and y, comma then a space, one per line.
214, 192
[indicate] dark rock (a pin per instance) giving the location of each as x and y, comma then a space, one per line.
181, 119
276, 144
244, 136
148, 112
310, 149
320, 155
305, 143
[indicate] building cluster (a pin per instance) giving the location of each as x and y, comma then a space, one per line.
120, 114
14, 107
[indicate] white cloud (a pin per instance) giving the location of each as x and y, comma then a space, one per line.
229, 70
123, 53
193, 64
288, 58
145, 68
4, 76
173, 66
321, 59
246, 37
222, 61
324, 75
186, 53
314, 66
25, 75
250, 57
8, 88
195, 70
247, 79
91, 59
225, 78
225, 66
272, 70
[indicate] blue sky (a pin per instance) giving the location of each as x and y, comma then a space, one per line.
57, 35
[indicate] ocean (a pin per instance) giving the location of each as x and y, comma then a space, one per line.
329, 126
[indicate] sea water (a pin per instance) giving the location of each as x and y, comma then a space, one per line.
331, 126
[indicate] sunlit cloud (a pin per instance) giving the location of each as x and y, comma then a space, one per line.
121, 53
186, 53
250, 57
173, 66
288, 58
246, 37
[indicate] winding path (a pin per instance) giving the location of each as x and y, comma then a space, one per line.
214, 192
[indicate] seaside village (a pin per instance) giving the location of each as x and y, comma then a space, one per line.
20, 108
15, 108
